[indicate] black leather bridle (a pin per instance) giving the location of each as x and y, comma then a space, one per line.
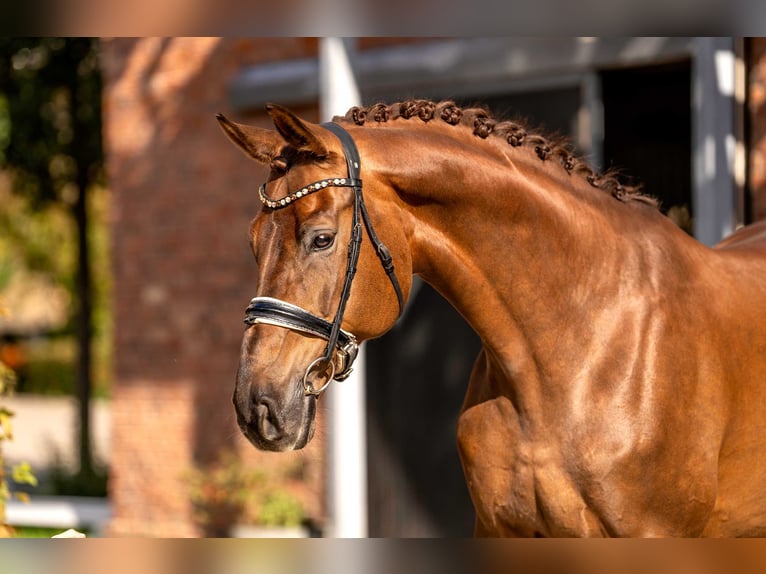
342, 347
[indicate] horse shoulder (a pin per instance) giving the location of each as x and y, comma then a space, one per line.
517, 481
740, 275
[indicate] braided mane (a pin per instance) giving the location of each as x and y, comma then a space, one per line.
516, 134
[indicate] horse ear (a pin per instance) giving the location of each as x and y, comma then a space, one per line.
260, 144
297, 132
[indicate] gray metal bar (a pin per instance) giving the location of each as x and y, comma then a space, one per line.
714, 139
454, 68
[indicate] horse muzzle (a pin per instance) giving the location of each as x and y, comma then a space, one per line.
269, 427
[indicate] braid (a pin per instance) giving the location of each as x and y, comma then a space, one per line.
479, 120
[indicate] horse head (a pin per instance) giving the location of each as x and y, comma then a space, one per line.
306, 320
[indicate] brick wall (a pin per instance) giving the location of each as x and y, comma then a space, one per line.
182, 200
757, 123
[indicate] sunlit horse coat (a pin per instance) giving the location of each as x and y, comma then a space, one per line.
621, 388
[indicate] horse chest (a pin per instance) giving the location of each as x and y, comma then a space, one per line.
519, 487
525, 485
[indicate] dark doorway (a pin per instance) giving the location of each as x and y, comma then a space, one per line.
647, 131
552, 111
417, 375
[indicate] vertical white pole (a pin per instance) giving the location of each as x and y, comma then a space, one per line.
591, 120
714, 139
346, 435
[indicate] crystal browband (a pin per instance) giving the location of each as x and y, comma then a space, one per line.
309, 189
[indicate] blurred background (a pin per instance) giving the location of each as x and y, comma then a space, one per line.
125, 266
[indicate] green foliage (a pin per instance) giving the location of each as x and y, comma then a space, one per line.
50, 367
53, 151
51, 376
50, 121
5, 127
36, 239
93, 482
21, 473
6, 428
50, 155
101, 269
280, 508
42, 532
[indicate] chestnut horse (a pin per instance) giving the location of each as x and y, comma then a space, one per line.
621, 387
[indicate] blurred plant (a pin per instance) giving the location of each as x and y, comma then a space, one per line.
681, 216
221, 492
280, 508
22, 472
228, 492
63, 482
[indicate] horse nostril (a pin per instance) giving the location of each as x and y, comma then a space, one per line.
267, 420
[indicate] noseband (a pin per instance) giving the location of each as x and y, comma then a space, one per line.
342, 346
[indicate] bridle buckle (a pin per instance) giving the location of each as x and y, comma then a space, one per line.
348, 355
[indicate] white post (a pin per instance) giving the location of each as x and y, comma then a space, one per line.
715, 139
346, 425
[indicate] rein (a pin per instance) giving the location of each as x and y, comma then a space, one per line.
342, 347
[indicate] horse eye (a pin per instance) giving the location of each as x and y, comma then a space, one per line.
323, 241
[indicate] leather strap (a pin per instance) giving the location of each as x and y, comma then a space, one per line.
353, 162
341, 349
270, 311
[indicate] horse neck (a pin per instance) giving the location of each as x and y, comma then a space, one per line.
519, 247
